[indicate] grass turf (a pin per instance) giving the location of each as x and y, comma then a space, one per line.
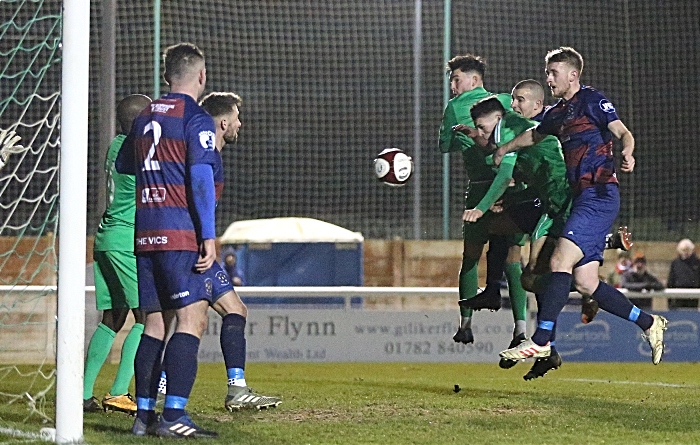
400, 403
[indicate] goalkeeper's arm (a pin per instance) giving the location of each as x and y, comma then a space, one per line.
8, 139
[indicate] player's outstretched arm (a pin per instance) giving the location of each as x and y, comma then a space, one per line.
625, 136
524, 139
500, 184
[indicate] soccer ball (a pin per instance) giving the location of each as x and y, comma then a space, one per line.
393, 167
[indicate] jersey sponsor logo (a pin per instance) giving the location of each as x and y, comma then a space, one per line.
151, 240
161, 108
153, 194
206, 138
179, 295
606, 106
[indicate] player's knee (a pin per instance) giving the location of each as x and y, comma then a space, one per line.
586, 287
193, 319
115, 318
514, 255
230, 303
139, 316
560, 264
527, 280
154, 326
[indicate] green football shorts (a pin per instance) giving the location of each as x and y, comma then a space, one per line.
115, 280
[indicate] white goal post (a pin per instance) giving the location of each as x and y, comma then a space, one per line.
72, 221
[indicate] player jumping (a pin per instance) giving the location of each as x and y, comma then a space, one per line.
584, 121
466, 81
542, 168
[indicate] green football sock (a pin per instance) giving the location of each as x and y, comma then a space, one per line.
126, 364
98, 350
468, 283
518, 296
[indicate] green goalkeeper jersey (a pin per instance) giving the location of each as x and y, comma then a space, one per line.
116, 231
541, 165
456, 112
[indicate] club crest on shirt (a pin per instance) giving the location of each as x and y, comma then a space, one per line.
206, 138
606, 106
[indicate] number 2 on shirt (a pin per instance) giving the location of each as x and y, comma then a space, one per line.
149, 163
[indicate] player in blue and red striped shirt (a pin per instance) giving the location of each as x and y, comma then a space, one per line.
585, 122
171, 151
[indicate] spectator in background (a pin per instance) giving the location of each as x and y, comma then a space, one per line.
624, 262
685, 269
684, 273
230, 265
637, 278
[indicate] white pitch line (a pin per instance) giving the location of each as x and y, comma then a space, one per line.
630, 382
46, 434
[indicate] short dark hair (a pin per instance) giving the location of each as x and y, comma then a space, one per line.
486, 106
531, 84
219, 103
567, 55
180, 59
466, 63
129, 108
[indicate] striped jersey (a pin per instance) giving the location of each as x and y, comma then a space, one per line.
166, 141
581, 124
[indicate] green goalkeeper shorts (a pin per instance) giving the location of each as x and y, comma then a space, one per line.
115, 280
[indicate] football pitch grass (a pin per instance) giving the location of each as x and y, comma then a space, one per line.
423, 403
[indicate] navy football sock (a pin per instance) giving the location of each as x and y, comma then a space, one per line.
233, 345
551, 302
146, 370
553, 335
180, 364
612, 300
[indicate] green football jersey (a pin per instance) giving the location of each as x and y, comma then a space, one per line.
542, 165
456, 112
116, 231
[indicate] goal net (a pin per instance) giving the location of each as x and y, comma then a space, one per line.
328, 84
29, 105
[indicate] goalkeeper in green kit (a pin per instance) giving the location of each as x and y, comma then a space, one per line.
116, 289
466, 82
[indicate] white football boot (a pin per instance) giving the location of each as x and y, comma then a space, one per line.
655, 337
526, 349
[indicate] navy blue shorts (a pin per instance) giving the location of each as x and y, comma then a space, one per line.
593, 212
167, 280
